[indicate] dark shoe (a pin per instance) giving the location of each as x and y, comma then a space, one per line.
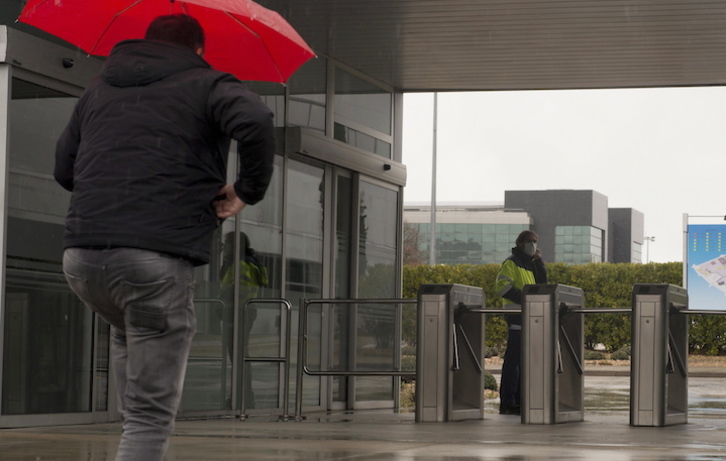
510, 410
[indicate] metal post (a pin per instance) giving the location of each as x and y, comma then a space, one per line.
552, 351
449, 354
285, 359
659, 367
432, 230
301, 352
647, 247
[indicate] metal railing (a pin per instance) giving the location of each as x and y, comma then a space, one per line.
568, 310
283, 359
302, 367
702, 312
224, 349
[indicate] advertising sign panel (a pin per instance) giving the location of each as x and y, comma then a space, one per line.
705, 269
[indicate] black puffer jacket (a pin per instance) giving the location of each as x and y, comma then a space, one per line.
146, 148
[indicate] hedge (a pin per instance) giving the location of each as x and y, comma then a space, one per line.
603, 285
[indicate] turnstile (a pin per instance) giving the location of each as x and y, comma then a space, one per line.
449, 354
552, 351
659, 354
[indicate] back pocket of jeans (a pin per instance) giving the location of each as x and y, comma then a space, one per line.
147, 304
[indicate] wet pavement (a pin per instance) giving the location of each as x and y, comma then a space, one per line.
385, 436
611, 394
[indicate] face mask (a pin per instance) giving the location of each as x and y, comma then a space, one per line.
530, 248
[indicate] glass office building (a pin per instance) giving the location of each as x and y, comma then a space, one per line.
329, 227
578, 244
466, 234
573, 226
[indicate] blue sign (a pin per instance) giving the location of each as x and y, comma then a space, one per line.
706, 266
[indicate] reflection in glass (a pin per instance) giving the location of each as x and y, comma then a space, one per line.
273, 95
364, 141
213, 358
341, 313
362, 102
306, 195
363, 114
308, 95
264, 323
469, 243
208, 380
48, 333
376, 348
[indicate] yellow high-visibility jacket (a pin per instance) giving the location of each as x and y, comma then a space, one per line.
517, 271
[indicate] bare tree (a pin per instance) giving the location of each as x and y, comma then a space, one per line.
412, 253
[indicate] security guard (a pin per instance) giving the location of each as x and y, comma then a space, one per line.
252, 276
523, 267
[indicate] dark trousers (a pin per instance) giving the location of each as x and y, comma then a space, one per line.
509, 393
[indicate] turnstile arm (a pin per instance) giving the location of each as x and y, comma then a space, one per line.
572, 351
455, 365
469, 347
673, 353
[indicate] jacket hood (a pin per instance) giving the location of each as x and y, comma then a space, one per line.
140, 62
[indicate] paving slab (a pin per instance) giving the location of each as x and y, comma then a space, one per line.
387, 436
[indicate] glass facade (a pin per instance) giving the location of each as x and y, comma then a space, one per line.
304, 263
322, 231
363, 114
376, 344
215, 363
578, 244
308, 96
467, 243
261, 331
50, 352
341, 328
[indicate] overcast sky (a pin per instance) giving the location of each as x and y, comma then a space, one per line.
660, 151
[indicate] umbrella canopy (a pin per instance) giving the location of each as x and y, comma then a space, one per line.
242, 37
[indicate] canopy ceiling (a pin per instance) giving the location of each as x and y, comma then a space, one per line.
459, 45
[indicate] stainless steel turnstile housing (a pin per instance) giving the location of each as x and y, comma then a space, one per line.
552, 350
659, 364
449, 354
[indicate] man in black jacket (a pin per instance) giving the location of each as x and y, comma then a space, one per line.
145, 156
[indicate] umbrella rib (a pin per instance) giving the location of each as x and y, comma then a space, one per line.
241, 24
110, 23
277, 69
35, 7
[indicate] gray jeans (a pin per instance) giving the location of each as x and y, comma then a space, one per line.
147, 297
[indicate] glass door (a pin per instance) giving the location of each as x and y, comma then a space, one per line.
364, 337
225, 329
260, 327
54, 350
304, 249
377, 325
341, 327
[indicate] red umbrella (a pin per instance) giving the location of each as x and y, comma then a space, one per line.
242, 37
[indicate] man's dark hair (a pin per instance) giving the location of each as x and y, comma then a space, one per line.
177, 28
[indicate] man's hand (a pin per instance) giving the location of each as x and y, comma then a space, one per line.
228, 204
